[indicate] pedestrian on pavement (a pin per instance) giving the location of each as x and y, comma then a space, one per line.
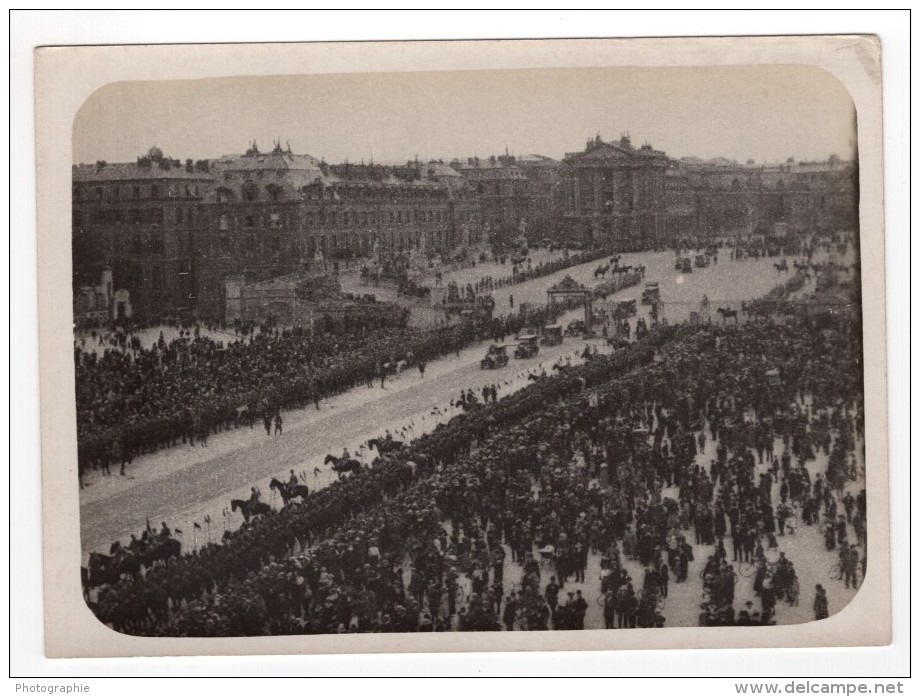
820, 605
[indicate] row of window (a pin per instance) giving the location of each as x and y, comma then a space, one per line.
359, 243
273, 192
132, 216
89, 192
338, 218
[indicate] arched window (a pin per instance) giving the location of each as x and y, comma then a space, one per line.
249, 221
224, 221
250, 191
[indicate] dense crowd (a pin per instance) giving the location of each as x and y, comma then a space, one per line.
132, 400
522, 272
603, 460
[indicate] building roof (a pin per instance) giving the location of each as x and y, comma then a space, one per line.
275, 160
532, 160
438, 170
130, 171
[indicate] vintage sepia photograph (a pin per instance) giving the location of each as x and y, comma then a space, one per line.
516, 350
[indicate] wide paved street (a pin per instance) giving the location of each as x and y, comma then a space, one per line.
183, 484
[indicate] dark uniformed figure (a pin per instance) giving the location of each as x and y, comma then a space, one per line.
820, 605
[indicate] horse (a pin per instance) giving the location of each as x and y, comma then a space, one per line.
385, 445
726, 313
167, 549
249, 509
289, 491
756, 309
561, 367
781, 266
104, 569
340, 465
601, 271
101, 570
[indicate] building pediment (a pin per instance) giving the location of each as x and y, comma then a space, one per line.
602, 153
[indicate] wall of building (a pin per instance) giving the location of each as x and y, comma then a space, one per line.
142, 221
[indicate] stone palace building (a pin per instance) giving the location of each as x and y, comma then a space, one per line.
161, 235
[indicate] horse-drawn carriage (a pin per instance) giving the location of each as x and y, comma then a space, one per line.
624, 309
496, 357
552, 335
651, 294
528, 346
684, 265
576, 328
701, 261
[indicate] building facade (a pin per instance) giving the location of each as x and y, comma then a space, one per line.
733, 198
636, 198
516, 194
141, 220
504, 194
614, 194
173, 233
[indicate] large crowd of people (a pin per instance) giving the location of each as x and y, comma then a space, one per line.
603, 461
133, 400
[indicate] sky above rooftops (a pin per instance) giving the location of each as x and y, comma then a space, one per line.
765, 113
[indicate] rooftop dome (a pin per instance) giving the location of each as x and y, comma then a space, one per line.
155, 153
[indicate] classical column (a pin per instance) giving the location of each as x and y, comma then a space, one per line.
635, 191
598, 203
576, 174
612, 173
